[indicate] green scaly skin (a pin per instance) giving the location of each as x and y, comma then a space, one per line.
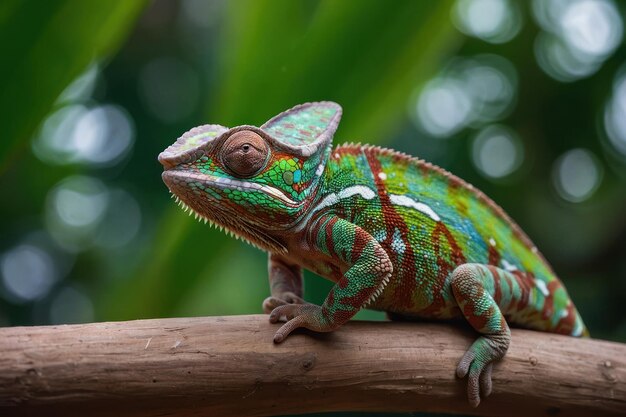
393, 233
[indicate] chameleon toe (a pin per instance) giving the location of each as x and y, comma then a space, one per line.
270, 303
464, 364
485, 381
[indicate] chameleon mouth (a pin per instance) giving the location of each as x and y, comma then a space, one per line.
219, 217
176, 179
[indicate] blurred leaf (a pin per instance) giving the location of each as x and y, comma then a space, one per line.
367, 55
364, 54
45, 45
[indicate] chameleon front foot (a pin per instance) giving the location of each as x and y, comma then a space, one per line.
308, 316
270, 303
477, 365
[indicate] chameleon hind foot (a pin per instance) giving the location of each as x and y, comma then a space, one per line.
477, 365
474, 288
285, 298
308, 316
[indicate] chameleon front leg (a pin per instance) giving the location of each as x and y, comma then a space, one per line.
285, 283
369, 269
482, 293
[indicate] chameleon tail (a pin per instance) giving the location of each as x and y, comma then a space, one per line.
580, 330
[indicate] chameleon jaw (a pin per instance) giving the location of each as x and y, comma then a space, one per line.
240, 230
177, 176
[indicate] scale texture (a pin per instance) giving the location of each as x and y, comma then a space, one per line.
393, 232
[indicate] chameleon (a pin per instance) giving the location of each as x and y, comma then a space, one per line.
393, 232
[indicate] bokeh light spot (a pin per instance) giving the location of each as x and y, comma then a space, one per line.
55, 144
615, 115
592, 27
75, 208
81, 212
576, 175
79, 205
492, 83
444, 107
28, 273
469, 91
495, 21
579, 36
497, 151
558, 61
103, 134
100, 136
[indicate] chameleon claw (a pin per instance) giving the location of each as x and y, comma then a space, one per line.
477, 365
464, 364
287, 328
298, 315
270, 303
275, 315
473, 387
467, 367
485, 380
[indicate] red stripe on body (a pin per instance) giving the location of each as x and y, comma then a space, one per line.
566, 324
357, 299
526, 281
493, 255
456, 254
497, 287
445, 268
361, 238
406, 280
330, 300
328, 231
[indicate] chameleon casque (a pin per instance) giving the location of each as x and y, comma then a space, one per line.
393, 232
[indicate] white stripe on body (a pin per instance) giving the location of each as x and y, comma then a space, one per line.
405, 201
368, 194
334, 198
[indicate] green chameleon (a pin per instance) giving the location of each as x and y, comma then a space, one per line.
394, 233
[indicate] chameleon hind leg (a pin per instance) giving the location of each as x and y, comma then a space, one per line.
369, 269
285, 283
482, 293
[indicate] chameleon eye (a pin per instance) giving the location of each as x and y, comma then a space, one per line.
245, 153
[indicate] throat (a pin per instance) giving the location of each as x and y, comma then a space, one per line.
235, 226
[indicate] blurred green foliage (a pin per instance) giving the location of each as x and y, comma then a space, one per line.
95, 238
45, 45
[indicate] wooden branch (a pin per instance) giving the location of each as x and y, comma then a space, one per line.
228, 366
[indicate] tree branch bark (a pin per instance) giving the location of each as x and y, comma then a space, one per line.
228, 366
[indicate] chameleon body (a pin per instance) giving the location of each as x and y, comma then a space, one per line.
394, 233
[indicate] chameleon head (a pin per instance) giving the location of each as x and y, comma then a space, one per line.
255, 182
